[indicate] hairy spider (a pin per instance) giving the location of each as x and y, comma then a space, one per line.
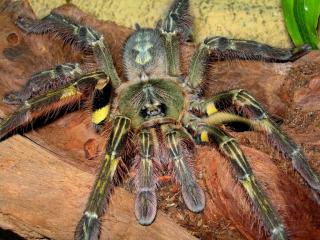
164, 112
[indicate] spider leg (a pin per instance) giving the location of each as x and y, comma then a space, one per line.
258, 118
221, 48
179, 20
89, 225
230, 148
177, 23
41, 82
192, 194
101, 104
50, 102
73, 33
146, 201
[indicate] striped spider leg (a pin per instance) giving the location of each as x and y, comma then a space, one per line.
211, 134
145, 179
44, 90
80, 36
176, 151
49, 102
176, 27
178, 142
251, 113
65, 85
178, 147
206, 128
90, 42
221, 48
89, 225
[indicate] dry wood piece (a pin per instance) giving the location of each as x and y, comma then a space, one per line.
43, 197
42, 192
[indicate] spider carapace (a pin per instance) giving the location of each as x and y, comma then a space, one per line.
160, 108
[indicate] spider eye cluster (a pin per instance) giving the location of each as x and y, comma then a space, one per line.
144, 55
153, 110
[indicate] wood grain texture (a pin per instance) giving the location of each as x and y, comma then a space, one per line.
43, 197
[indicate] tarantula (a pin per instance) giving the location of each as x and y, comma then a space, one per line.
162, 110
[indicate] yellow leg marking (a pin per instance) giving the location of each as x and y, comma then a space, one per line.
247, 184
69, 92
108, 172
211, 109
267, 125
250, 186
101, 114
146, 166
204, 136
114, 165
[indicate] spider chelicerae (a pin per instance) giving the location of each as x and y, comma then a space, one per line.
163, 111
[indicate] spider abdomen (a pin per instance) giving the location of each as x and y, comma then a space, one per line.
144, 55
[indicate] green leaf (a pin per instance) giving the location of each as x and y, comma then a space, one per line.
292, 26
312, 14
301, 18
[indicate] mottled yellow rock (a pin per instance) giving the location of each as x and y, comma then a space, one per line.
259, 20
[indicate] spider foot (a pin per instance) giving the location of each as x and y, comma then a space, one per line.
91, 223
221, 48
62, 27
298, 52
17, 118
293, 152
193, 197
146, 207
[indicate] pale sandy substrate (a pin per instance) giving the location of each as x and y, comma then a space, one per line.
259, 20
